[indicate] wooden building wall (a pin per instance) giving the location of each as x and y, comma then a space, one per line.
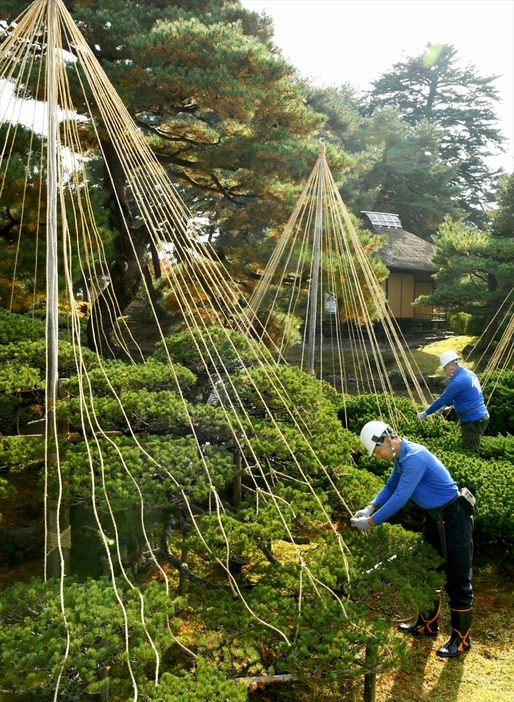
402, 288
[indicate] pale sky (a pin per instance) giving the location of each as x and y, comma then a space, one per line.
354, 41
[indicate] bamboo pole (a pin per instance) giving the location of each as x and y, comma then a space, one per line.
316, 257
55, 516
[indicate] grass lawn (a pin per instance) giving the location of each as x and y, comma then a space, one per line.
427, 358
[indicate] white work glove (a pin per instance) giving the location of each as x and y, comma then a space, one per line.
422, 415
366, 512
360, 523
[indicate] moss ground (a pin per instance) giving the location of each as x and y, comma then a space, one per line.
427, 357
483, 674
424, 358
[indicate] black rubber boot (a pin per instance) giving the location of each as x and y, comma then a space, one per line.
424, 626
459, 641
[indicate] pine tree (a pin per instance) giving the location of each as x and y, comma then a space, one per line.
392, 166
476, 268
460, 103
182, 512
503, 216
222, 111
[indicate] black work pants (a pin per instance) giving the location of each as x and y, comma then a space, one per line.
472, 433
458, 527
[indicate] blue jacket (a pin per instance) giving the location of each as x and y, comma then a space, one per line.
418, 476
465, 394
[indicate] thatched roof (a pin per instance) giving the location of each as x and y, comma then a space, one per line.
403, 250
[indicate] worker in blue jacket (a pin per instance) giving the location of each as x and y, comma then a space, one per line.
421, 477
465, 394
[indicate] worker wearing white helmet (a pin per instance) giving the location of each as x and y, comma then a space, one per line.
465, 394
421, 477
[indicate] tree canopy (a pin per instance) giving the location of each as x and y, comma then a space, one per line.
223, 113
460, 102
476, 268
393, 166
218, 101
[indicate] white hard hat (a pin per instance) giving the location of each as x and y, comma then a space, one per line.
448, 357
372, 432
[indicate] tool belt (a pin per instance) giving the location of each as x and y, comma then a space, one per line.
473, 409
466, 499
468, 502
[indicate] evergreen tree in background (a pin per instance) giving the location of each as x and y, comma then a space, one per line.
215, 97
461, 104
476, 268
503, 217
410, 178
393, 166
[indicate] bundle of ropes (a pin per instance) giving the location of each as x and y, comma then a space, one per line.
42, 50
321, 272
320, 254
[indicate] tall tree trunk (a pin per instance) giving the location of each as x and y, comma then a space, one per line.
125, 271
491, 319
488, 335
